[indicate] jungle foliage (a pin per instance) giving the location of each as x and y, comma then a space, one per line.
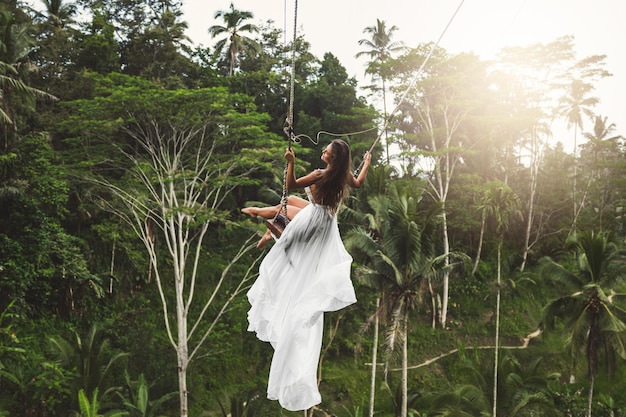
479, 229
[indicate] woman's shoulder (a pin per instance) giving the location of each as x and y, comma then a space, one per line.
311, 178
319, 172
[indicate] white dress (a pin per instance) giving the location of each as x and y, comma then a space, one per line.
305, 273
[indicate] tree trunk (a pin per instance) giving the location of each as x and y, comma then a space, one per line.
182, 353
574, 190
480, 243
583, 200
111, 271
405, 366
534, 174
497, 342
433, 304
443, 171
374, 361
446, 276
590, 395
182, 387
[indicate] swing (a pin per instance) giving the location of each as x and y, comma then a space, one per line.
277, 225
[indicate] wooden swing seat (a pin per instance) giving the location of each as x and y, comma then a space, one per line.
277, 225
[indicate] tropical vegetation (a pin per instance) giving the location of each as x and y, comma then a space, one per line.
488, 245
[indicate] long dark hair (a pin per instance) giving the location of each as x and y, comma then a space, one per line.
333, 187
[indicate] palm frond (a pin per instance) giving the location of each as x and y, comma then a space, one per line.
397, 275
359, 239
559, 275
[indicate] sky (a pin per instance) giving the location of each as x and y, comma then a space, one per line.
480, 26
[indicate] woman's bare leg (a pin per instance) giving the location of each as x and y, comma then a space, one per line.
265, 212
270, 212
295, 201
265, 239
292, 211
294, 205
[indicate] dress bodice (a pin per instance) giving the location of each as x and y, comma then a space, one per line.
309, 194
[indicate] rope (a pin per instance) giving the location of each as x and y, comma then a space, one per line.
411, 84
288, 128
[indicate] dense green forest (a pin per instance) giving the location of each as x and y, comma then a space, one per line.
489, 261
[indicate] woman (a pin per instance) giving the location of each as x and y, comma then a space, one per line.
294, 203
306, 273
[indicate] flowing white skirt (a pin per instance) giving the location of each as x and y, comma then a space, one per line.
305, 273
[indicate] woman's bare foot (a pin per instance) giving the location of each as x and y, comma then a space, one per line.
267, 237
252, 211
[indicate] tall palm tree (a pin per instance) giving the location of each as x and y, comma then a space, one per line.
400, 259
573, 106
593, 316
499, 202
15, 45
372, 212
368, 236
233, 34
603, 147
380, 49
59, 12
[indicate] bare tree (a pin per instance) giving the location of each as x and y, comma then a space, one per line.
536, 148
181, 187
445, 155
439, 116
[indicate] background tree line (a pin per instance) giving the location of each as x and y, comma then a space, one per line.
487, 256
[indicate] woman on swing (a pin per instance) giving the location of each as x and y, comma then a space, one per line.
306, 273
333, 181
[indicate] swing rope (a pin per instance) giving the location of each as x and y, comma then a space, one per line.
288, 128
280, 220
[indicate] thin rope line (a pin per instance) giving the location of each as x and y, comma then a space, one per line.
285, 23
323, 132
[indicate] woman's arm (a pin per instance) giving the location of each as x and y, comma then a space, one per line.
307, 180
358, 181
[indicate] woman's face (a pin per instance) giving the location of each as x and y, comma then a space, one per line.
327, 154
